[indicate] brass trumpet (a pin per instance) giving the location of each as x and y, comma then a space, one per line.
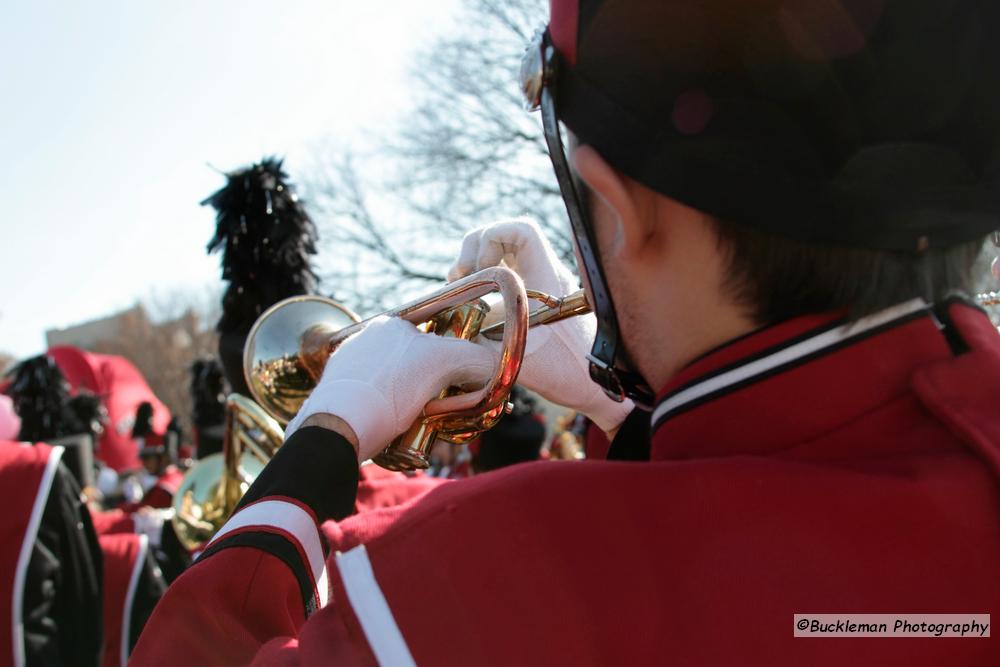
287, 349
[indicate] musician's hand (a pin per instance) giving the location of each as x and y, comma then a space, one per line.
379, 380
555, 361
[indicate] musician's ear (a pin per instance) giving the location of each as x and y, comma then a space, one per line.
630, 219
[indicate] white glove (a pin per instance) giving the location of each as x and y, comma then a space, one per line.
379, 380
149, 522
555, 360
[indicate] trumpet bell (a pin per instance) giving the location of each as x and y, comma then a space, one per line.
287, 349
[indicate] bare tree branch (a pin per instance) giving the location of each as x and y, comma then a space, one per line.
466, 154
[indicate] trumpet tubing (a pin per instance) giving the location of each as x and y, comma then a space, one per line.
552, 310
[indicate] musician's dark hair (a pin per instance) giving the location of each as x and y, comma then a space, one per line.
776, 278
143, 424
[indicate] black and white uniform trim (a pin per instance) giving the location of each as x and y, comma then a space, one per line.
24, 556
125, 646
313, 477
780, 358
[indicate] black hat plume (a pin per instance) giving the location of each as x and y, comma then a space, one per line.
41, 399
266, 238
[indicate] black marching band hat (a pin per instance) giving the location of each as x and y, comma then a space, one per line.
862, 123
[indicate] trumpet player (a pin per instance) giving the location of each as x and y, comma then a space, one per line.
776, 207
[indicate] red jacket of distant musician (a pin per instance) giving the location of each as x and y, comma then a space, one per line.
124, 557
26, 474
379, 488
810, 467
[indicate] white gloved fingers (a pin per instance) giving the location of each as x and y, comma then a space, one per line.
469, 365
520, 244
466, 262
379, 380
525, 248
357, 381
496, 248
557, 368
488, 246
520, 241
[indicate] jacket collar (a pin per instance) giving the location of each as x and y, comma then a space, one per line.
790, 383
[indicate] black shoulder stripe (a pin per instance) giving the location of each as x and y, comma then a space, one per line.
280, 548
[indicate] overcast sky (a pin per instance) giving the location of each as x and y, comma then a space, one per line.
111, 112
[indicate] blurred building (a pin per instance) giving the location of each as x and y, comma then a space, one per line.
89, 334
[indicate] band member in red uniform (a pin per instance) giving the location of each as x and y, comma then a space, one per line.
776, 208
79, 557
164, 477
50, 563
132, 587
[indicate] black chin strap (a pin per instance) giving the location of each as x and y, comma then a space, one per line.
607, 365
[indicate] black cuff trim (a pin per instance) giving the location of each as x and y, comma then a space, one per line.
315, 466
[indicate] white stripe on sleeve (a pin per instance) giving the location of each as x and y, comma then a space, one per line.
292, 519
372, 609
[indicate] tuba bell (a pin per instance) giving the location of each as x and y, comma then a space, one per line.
213, 487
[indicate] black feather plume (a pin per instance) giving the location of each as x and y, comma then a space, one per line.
41, 399
266, 238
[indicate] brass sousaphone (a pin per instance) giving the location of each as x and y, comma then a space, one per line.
212, 488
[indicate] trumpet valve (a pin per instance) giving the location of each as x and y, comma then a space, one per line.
409, 451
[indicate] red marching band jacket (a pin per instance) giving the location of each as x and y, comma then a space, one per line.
124, 557
810, 467
26, 474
